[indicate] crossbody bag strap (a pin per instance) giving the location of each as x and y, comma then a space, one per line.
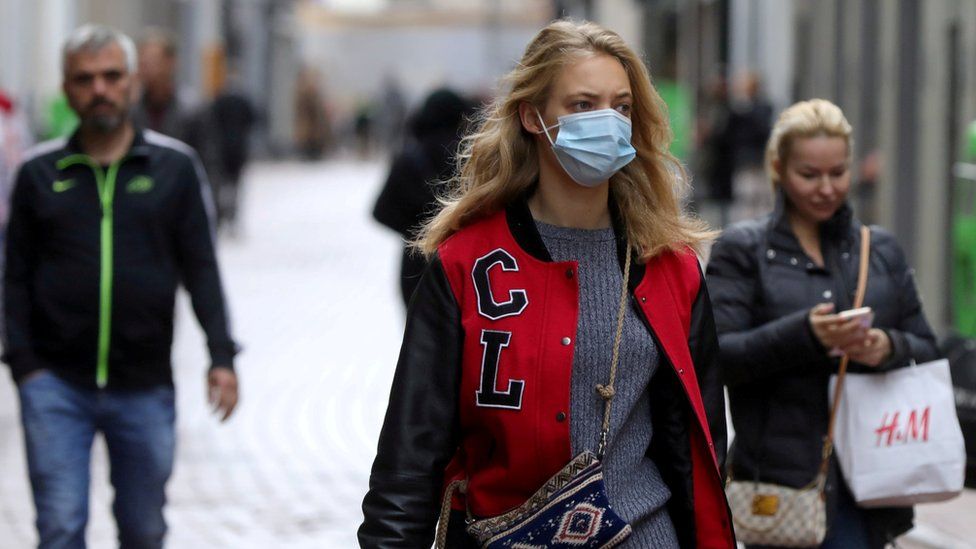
862, 283
607, 391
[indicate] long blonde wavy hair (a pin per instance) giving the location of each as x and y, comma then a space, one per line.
498, 161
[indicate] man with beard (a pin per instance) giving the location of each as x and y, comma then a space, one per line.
103, 228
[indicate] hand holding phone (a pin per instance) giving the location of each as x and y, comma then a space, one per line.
840, 331
864, 314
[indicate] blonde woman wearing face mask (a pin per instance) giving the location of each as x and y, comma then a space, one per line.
563, 276
778, 284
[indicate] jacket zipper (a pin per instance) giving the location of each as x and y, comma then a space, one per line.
105, 183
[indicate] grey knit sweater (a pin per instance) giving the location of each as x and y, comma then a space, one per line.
634, 485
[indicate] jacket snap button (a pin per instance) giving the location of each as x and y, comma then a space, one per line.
681, 371
643, 299
561, 417
828, 294
794, 261
770, 254
569, 273
566, 341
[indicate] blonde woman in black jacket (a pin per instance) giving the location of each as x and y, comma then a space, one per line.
777, 284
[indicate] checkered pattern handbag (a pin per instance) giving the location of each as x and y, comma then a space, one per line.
773, 514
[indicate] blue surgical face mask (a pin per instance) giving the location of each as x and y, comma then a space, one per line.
591, 146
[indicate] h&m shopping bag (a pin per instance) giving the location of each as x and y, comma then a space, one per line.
897, 436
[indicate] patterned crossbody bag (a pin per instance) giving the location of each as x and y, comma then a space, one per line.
571, 510
772, 514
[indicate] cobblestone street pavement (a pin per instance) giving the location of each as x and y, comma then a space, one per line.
312, 288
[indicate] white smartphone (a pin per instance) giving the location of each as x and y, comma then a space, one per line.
864, 314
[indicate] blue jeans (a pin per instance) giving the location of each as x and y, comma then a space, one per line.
60, 421
848, 529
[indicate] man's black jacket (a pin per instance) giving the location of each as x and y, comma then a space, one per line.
94, 255
762, 286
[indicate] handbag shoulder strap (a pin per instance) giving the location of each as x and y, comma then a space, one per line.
607, 391
862, 283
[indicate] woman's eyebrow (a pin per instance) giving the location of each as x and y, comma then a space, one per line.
584, 93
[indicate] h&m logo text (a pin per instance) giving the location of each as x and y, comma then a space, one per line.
915, 429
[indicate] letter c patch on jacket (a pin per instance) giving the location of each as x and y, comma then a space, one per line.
488, 307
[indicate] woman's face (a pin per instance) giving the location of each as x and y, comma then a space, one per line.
816, 177
592, 82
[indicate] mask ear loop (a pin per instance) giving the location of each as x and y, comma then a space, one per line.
545, 130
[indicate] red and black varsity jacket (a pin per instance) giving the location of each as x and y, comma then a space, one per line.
482, 386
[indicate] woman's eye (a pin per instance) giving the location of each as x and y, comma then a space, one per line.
582, 105
623, 109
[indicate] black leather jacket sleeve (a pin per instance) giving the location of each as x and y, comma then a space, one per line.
912, 339
703, 343
750, 349
420, 432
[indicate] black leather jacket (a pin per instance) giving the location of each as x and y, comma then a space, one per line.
421, 430
762, 286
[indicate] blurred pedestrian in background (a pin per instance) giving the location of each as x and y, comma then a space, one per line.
313, 134
222, 134
103, 228
716, 163
868, 182
777, 283
417, 176
392, 115
364, 128
561, 249
160, 107
749, 125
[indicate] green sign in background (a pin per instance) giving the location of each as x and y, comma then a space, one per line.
964, 240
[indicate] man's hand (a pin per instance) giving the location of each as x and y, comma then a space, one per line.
222, 391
